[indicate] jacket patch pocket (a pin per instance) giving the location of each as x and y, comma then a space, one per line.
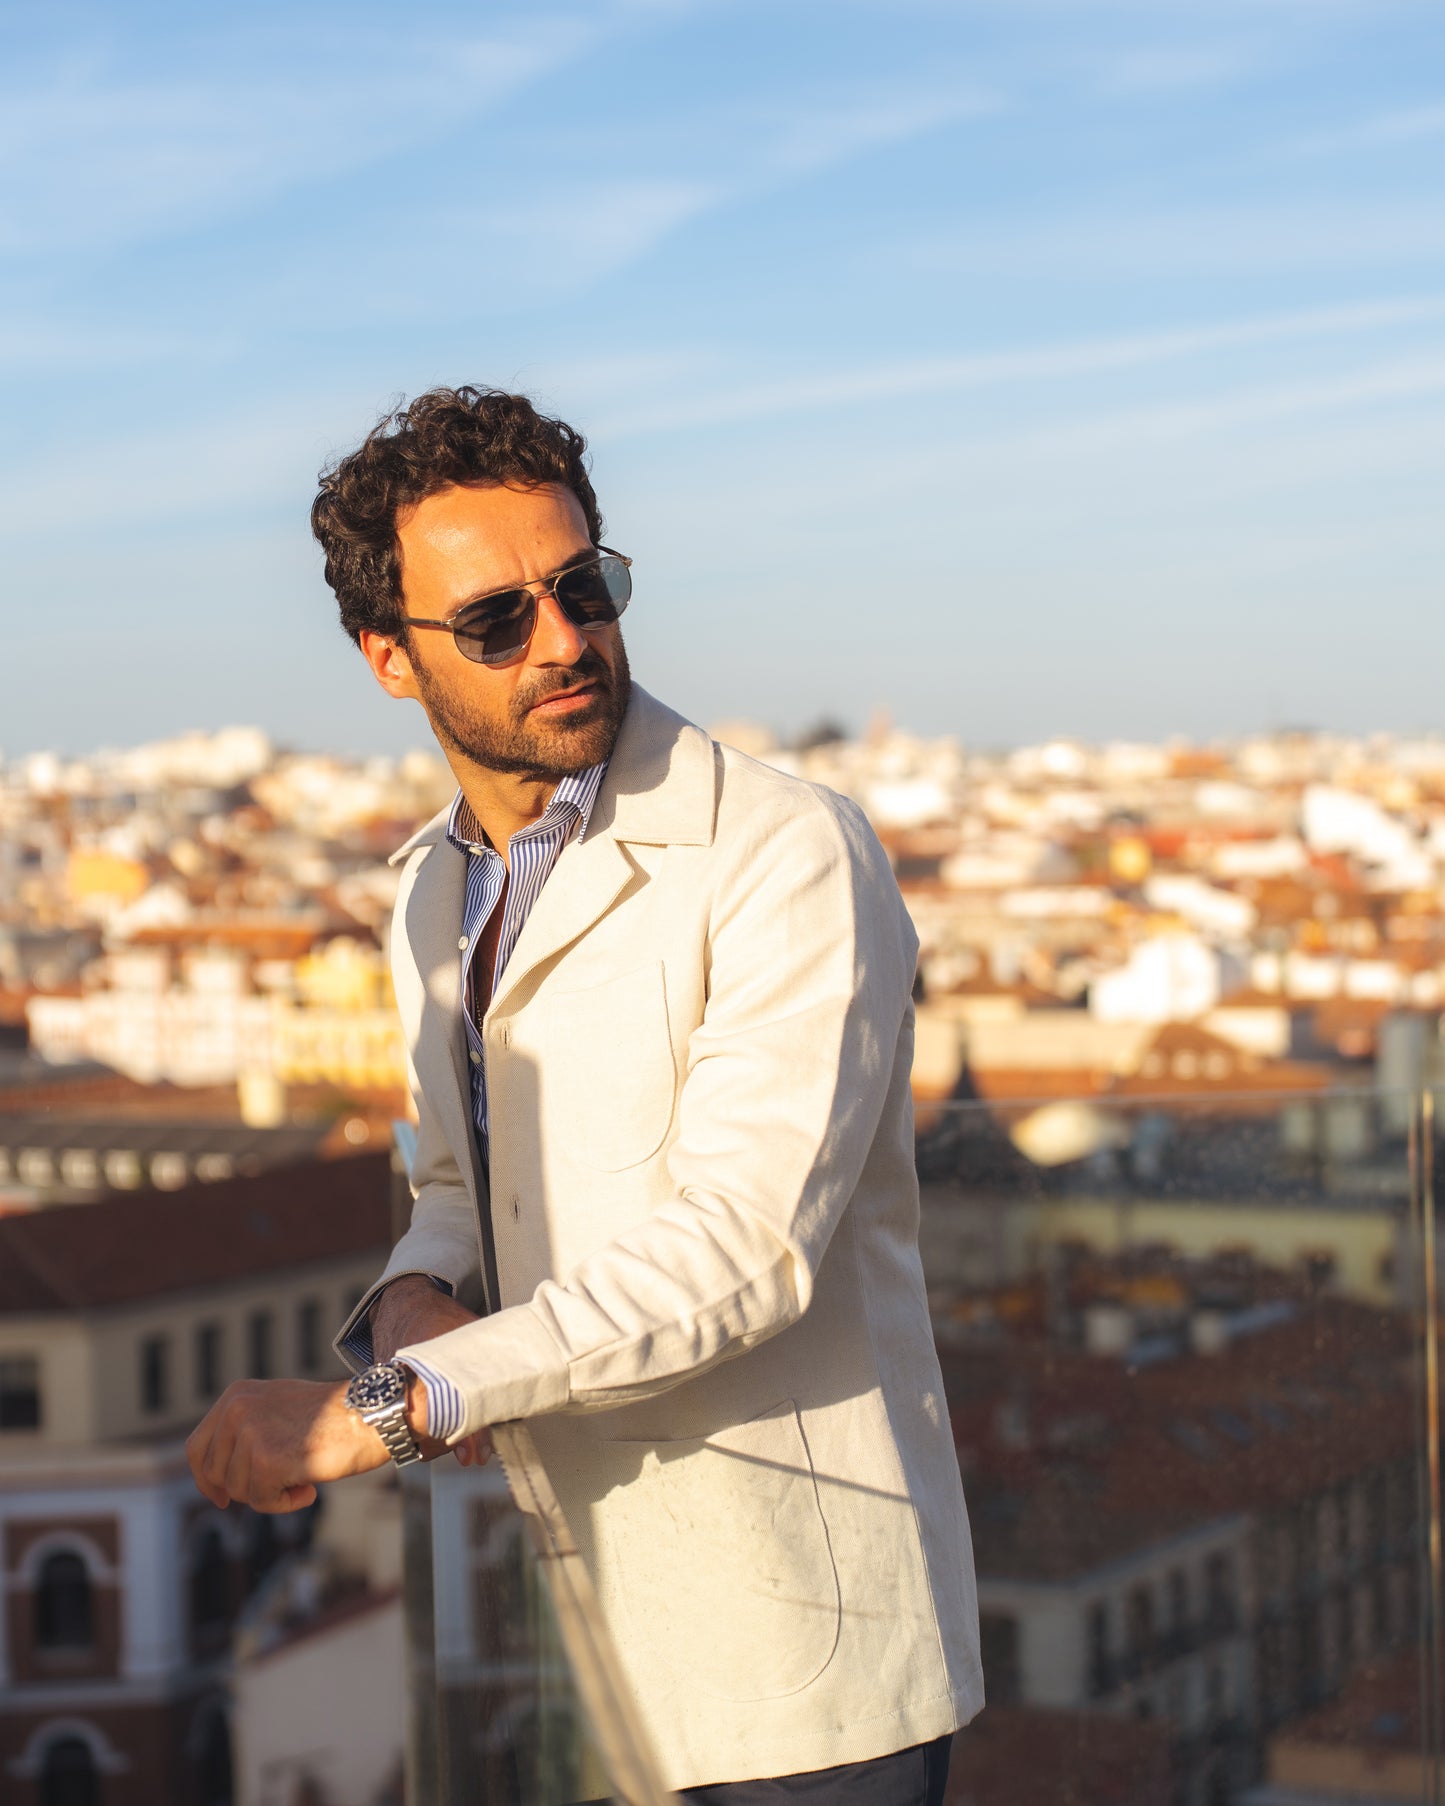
609, 1071
722, 1557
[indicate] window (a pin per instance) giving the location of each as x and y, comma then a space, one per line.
208, 1360
258, 1339
1178, 1600
999, 1634
308, 1334
1140, 1616
19, 1393
64, 1606
1219, 1592
154, 1378
210, 1582
69, 1777
1100, 1679
1216, 1696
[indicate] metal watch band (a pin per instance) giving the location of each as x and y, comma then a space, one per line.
393, 1429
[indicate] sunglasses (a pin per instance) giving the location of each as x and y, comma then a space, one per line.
497, 629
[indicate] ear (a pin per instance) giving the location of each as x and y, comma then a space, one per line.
390, 665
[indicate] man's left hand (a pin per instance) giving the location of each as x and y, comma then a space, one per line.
267, 1443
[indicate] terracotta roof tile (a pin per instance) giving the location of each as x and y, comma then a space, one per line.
135, 1245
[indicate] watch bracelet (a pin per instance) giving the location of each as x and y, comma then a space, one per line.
397, 1434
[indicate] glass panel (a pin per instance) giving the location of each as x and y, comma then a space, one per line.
503, 1713
1189, 1354
1185, 1348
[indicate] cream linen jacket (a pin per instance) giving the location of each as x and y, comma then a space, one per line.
706, 1294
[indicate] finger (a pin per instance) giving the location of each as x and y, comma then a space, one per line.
285, 1498
237, 1477
210, 1468
198, 1445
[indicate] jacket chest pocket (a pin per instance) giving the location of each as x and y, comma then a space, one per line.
609, 1076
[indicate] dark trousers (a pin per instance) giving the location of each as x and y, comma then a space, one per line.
913, 1777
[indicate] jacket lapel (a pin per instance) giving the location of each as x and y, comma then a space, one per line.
433, 919
588, 879
660, 788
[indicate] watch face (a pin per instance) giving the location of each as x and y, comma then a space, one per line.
376, 1387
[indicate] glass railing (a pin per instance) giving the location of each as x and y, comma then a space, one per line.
1190, 1356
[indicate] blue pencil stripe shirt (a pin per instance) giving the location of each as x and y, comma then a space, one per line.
532, 854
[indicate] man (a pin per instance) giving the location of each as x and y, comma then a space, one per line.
657, 998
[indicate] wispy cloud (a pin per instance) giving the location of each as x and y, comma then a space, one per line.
34, 347
1201, 238
897, 380
1400, 380
582, 214
1402, 125
1173, 68
94, 158
820, 134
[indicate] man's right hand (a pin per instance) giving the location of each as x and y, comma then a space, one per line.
412, 1310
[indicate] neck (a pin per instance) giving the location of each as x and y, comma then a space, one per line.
503, 802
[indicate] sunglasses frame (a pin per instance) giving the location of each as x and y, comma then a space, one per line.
536, 588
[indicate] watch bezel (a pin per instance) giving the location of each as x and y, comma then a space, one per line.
377, 1388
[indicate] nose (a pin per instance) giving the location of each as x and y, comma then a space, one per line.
555, 641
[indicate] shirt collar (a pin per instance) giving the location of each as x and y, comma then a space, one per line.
575, 796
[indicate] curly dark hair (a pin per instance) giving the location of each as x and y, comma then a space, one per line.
447, 436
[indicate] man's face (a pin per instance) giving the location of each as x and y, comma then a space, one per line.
558, 708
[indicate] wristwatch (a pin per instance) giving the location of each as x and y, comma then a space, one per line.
379, 1394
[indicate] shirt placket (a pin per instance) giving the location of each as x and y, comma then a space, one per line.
545, 839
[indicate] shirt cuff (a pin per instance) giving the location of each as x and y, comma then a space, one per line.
357, 1342
445, 1408
491, 1371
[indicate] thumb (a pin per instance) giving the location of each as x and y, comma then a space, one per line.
287, 1498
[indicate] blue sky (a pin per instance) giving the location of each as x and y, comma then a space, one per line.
1019, 366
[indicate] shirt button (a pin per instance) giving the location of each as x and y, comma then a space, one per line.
462, 943
474, 1057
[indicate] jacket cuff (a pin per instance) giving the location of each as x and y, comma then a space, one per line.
497, 1369
352, 1341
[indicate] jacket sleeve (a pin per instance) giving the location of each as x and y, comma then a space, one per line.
810, 968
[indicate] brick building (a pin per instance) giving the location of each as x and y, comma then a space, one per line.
1193, 1501
119, 1322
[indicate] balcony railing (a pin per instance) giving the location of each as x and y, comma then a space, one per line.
1172, 1332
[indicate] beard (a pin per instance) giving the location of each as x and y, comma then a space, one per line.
515, 742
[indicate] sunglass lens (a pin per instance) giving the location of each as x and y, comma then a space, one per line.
595, 593
499, 628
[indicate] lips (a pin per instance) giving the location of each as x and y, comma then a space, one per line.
560, 699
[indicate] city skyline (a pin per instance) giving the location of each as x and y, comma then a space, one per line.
1029, 370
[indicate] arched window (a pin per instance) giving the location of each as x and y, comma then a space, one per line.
64, 1603
69, 1777
210, 1582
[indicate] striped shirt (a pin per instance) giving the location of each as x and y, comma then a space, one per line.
533, 852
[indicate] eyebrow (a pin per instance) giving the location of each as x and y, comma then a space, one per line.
508, 589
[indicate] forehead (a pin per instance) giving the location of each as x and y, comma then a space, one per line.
465, 539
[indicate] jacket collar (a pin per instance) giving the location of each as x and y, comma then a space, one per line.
660, 788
